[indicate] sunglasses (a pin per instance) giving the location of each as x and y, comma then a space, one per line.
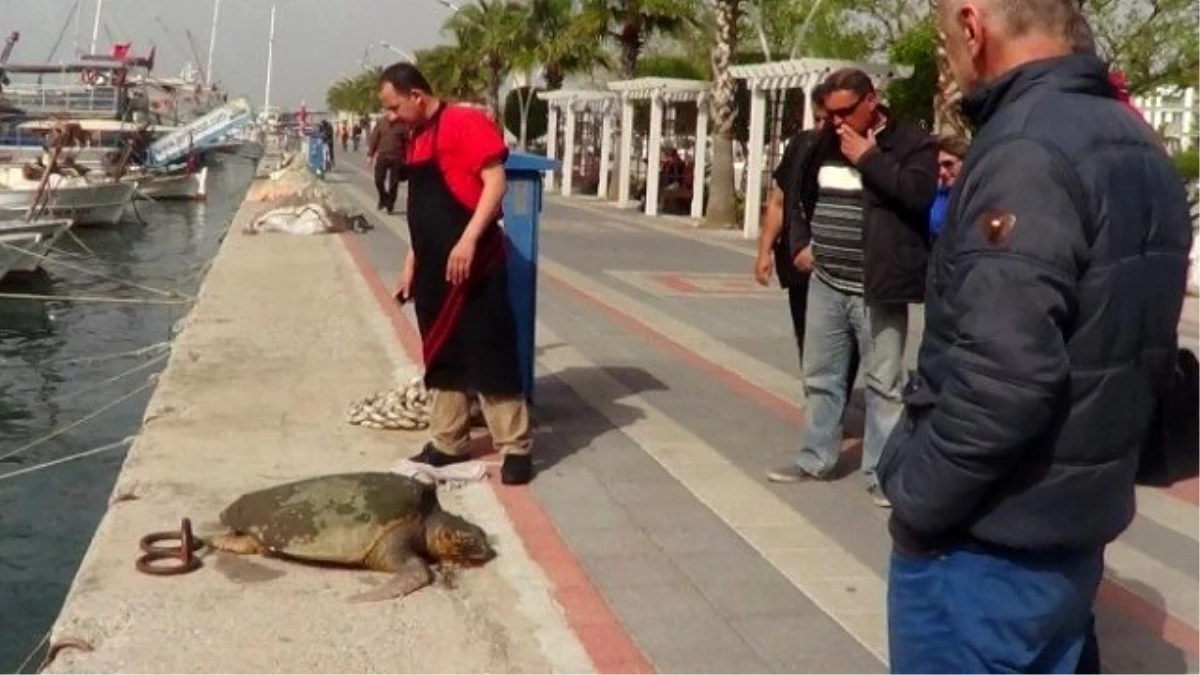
845, 111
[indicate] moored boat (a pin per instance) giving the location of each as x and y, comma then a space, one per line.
86, 201
24, 244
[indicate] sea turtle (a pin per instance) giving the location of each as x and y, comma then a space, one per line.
381, 521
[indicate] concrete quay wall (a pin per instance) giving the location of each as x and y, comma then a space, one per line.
285, 334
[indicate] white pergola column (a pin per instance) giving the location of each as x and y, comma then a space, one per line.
653, 155
699, 157
568, 176
754, 162
551, 140
626, 151
808, 121
1189, 117
606, 134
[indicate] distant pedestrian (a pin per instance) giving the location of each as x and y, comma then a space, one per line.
951, 150
457, 275
875, 177
386, 152
327, 135
1054, 299
356, 135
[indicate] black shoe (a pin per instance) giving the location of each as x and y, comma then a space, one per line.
436, 458
516, 470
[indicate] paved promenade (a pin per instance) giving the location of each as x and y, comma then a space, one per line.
667, 386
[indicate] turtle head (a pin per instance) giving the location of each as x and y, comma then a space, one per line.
450, 538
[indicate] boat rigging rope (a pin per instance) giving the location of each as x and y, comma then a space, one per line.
69, 458
45, 257
92, 415
140, 351
98, 299
96, 385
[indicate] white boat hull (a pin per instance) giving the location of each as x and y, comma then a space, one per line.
192, 187
85, 202
23, 246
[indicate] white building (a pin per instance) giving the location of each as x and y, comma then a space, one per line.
1172, 111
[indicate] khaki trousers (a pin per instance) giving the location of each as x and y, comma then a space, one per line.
507, 419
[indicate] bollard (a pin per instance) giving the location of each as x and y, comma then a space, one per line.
522, 209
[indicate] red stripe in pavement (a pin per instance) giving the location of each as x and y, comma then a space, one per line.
1169, 628
1187, 490
607, 643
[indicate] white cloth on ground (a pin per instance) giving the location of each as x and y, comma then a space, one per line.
455, 475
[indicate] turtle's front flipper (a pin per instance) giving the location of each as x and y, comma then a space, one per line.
242, 544
393, 554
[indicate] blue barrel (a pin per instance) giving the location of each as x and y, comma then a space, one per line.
522, 211
316, 152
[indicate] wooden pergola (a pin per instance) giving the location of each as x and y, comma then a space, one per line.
572, 102
661, 92
802, 74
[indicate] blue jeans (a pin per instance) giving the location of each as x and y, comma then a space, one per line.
833, 322
968, 611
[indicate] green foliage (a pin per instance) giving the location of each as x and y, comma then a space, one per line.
1187, 163
538, 121
451, 75
633, 23
1154, 43
912, 98
664, 65
358, 94
566, 41
827, 35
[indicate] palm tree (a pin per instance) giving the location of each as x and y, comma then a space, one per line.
722, 206
633, 22
567, 41
490, 33
451, 74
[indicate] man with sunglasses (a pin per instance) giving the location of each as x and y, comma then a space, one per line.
874, 178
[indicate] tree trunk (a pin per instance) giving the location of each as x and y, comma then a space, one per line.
495, 81
631, 46
526, 100
554, 76
722, 205
947, 115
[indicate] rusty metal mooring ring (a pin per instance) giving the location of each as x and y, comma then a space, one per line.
184, 553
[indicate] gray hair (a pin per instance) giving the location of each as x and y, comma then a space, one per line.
1049, 17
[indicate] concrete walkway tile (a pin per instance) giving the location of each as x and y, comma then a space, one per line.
871, 629
739, 582
598, 541
797, 535
1169, 512
806, 566
806, 644
704, 644
849, 596
1167, 588
674, 601
742, 502
621, 570
575, 515
708, 536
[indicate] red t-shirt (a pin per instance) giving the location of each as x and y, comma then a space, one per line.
468, 140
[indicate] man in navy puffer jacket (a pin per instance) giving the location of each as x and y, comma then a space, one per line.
1052, 303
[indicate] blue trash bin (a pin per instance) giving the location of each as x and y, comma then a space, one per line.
522, 209
316, 153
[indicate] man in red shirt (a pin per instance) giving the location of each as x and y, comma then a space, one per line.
456, 273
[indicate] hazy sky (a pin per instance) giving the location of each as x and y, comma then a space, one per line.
316, 41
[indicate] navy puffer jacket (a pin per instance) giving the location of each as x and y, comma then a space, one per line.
1052, 306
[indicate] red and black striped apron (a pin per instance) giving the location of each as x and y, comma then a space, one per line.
468, 333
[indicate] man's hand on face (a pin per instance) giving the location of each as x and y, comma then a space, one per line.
854, 144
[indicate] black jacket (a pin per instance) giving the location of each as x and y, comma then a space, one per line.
1053, 302
899, 185
797, 206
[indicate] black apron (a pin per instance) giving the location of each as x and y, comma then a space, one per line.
468, 334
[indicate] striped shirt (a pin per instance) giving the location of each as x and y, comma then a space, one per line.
837, 227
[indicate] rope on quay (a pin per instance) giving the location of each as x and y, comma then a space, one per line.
92, 415
45, 258
96, 385
63, 460
98, 299
140, 351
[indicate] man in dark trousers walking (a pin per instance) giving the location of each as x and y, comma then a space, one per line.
385, 151
456, 272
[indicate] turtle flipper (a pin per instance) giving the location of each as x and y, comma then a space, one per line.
394, 554
413, 575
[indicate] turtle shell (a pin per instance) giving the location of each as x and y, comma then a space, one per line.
336, 518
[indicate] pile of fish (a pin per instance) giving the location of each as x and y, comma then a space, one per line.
406, 407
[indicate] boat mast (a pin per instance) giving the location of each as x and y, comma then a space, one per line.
212, 44
96, 25
270, 58
78, 13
